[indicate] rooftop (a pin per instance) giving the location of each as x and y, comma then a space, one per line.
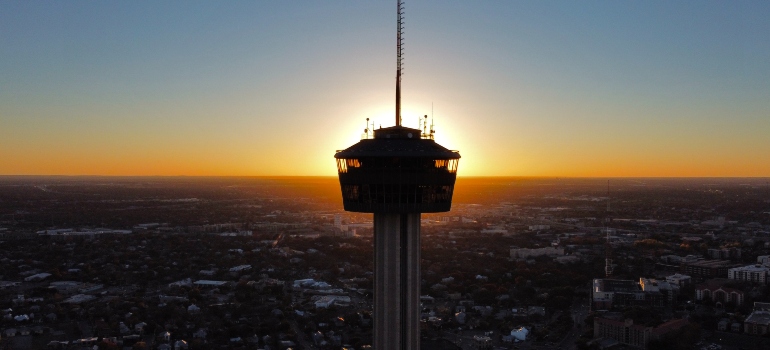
397, 148
759, 317
711, 263
608, 285
751, 268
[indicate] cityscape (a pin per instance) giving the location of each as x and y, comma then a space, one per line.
274, 263
238, 175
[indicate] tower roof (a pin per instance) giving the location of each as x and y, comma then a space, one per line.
397, 141
397, 148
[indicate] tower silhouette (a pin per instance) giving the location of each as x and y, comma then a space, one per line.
397, 175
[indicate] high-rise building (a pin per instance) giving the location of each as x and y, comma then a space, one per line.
397, 174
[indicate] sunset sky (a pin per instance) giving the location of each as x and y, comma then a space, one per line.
266, 88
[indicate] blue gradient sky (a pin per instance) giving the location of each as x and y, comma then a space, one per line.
559, 88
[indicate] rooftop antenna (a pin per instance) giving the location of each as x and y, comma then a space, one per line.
432, 126
432, 131
399, 58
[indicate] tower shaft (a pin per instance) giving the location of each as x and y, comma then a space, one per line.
397, 281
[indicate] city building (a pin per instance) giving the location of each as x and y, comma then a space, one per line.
658, 293
626, 332
526, 253
37, 277
715, 291
679, 280
668, 329
609, 294
732, 253
763, 259
568, 259
751, 273
209, 283
622, 331
706, 268
240, 268
758, 323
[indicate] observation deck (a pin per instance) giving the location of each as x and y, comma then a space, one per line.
400, 170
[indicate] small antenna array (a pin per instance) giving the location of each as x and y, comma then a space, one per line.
366, 130
426, 133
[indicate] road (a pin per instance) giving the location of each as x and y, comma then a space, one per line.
463, 339
301, 340
579, 313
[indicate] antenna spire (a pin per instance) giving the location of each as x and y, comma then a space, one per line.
399, 57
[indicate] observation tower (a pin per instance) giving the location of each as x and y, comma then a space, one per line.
397, 173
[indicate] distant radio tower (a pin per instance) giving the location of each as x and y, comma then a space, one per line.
608, 247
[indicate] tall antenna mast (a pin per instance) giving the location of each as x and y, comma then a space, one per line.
399, 58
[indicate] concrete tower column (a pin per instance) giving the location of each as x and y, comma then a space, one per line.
397, 281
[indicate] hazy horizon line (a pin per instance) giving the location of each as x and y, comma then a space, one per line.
335, 176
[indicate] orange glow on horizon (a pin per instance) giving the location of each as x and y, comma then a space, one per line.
254, 150
264, 159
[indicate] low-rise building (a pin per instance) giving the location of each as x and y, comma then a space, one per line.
751, 273
622, 331
66, 287
707, 268
716, 291
758, 323
626, 332
679, 280
567, 259
208, 283
658, 293
79, 299
526, 253
90, 288
187, 282
324, 302
608, 294
725, 253
668, 329
37, 277
240, 268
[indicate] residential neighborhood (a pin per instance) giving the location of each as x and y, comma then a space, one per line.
237, 264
